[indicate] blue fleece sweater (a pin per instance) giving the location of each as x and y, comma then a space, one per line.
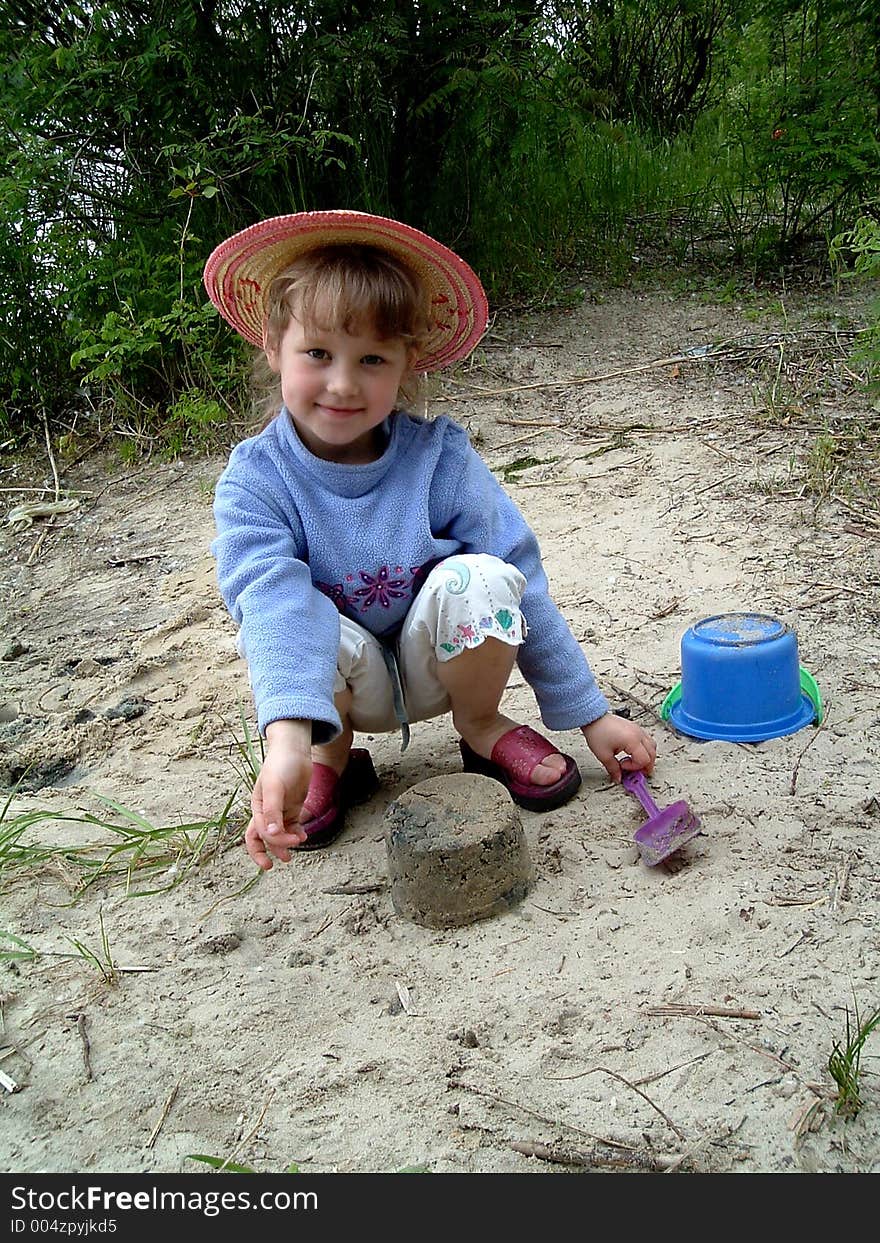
299, 539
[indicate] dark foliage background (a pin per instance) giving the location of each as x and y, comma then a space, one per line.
537, 138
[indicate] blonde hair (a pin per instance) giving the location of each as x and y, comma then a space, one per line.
341, 288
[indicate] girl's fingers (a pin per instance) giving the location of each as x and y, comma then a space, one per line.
271, 842
255, 848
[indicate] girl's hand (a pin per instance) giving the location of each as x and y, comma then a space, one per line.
613, 736
279, 793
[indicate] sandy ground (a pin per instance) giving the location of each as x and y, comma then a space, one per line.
682, 1015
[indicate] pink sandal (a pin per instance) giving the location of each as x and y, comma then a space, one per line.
514, 757
335, 794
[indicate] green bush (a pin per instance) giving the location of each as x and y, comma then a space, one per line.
537, 139
860, 245
798, 131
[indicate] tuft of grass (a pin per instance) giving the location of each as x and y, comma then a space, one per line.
249, 753
101, 959
823, 465
140, 854
844, 1064
229, 1167
22, 952
511, 472
778, 397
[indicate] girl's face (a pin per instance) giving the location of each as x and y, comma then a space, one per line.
339, 387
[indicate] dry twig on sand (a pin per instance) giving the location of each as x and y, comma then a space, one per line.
80, 1020
561, 1154
674, 1010
242, 1143
797, 764
646, 707
620, 1079
554, 1122
166, 1110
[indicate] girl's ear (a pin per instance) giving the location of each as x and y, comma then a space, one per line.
271, 352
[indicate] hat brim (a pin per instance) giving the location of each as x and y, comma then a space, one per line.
240, 270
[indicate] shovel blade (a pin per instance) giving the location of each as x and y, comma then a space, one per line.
662, 835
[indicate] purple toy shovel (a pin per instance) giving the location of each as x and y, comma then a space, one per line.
666, 829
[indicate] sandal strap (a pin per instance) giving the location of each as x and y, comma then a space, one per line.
520, 750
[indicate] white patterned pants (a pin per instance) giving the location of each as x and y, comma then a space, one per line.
465, 599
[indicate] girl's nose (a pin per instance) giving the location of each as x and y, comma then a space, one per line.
342, 380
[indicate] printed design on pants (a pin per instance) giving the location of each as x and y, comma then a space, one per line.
459, 577
502, 625
380, 589
477, 601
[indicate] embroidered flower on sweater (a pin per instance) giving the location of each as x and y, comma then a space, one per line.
379, 589
336, 592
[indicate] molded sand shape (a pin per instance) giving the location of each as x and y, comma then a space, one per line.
456, 851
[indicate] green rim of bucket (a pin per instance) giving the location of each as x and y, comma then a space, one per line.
809, 687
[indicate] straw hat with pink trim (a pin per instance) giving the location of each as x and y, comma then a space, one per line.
239, 272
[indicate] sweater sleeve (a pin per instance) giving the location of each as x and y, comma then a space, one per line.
485, 519
289, 630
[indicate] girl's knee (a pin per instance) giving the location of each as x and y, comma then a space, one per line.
467, 599
480, 574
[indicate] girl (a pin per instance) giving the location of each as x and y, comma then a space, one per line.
378, 572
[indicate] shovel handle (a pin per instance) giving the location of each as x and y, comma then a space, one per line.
634, 783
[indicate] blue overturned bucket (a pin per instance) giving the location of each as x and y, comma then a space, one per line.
741, 681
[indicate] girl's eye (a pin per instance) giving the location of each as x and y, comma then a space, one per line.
318, 354
372, 360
